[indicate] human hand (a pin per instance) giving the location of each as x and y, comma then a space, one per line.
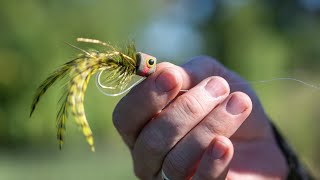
204, 133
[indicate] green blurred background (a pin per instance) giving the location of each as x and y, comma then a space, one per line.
258, 39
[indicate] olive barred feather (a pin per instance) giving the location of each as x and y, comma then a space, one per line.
120, 65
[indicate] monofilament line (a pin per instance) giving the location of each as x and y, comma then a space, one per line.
280, 79
271, 80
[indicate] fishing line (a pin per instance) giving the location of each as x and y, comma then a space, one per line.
279, 79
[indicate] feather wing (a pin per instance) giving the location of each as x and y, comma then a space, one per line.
120, 68
55, 76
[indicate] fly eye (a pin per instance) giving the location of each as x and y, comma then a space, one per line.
150, 63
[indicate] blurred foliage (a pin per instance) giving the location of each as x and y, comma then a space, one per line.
258, 39
263, 40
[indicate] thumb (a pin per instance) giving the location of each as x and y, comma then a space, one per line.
214, 163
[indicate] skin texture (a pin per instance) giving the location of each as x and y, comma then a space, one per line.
215, 130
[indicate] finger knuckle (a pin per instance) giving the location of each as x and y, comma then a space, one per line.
177, 168
191, 106
214, 126
153, 143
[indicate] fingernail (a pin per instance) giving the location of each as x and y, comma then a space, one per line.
235, 106
167, 80
218, 149
215, 88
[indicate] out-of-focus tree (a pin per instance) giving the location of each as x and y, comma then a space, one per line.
258, 39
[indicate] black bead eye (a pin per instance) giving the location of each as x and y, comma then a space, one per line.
150, 63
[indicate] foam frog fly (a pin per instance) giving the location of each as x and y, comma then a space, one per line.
116, 69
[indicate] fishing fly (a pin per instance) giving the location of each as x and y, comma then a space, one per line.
115, 70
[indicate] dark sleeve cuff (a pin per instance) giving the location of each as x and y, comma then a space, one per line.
296, 170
